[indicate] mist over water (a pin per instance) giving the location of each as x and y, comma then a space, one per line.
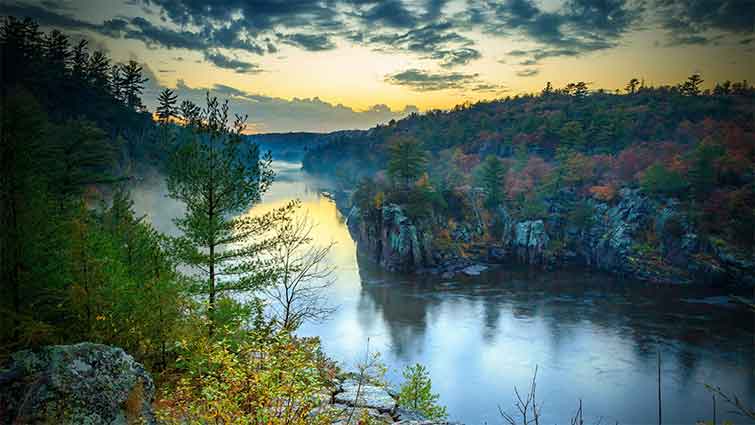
592, 336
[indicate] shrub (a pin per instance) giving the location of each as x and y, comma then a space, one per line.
268, 378
416, 393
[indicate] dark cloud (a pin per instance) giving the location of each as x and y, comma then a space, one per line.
693, 21
530, 72
222, 61
54, 17
311, 42
429, 29
460, 56
577, 27
436, 41
420, 80
390, 13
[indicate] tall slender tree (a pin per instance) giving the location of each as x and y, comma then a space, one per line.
407, 160
218, 177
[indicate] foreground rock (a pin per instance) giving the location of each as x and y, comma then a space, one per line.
75, 384
367, 396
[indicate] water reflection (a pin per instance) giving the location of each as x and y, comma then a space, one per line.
592, 336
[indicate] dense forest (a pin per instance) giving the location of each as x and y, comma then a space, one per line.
78, 265
560, 154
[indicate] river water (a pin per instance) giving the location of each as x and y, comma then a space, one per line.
592, 337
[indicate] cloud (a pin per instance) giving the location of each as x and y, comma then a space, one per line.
529, 72
420, 80
436, 41
273, 114
576, 27
452, 58
693, 21
222, 61
310, 42
391, 13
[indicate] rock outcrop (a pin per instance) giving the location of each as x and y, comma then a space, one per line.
633, 236
75, 384
531, 241
391, 240
365, 396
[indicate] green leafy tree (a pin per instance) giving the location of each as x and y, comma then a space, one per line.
407, 160
703, 172
572, 134
416, 393
218, 177
658, 179
491, 176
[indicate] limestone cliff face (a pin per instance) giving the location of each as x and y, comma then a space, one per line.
391, 239
612, 238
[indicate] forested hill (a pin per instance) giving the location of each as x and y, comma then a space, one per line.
292, 146
565, 156
70, 87
589, 122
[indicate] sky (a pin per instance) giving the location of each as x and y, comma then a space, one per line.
324, 65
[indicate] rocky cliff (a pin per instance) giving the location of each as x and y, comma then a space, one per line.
391, 239
634, 236
75, 384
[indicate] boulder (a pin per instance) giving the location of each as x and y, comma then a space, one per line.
76, 384
474, 270
370, 396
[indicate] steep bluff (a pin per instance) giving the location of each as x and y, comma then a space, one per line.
614, 237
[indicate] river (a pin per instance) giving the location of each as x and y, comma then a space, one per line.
592, 337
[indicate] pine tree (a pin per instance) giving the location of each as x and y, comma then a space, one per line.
80, 62
98, 72
416, 393
691, 87
407, 160
132, 83
167, 106
492, 174
218, 177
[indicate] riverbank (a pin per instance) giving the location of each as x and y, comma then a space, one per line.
634, 236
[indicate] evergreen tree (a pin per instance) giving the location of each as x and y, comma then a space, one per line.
132, 84
658, 179
492, 174
166, 108
406, 161
98, 72
218, 177
691, 87
416, 393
